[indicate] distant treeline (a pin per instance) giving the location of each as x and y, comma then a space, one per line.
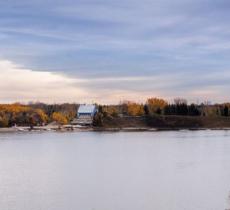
159, 106
42, 114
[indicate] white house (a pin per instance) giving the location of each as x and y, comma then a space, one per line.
85, 114
86, 110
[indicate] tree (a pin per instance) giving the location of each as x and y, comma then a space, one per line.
193, 110
108, 110
179, 101
59, 118
146, 109
135, 109
226, 111
98, 119
181, 106
4, 121
41, 117
156, 105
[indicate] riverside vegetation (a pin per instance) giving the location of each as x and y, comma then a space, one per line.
156, 112
36, 114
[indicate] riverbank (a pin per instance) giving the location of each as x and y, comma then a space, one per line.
64, 128
147, 123
100, 129
170, 122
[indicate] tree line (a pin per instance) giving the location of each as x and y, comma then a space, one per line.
158, 106
41, 114
36, 114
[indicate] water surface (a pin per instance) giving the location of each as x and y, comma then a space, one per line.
186, 170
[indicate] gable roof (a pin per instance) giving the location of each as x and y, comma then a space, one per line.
87, 109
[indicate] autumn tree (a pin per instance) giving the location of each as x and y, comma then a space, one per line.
135, 109
4, 120
59, 118
69, 110
111, 110
155, 105
41, 115
38, 117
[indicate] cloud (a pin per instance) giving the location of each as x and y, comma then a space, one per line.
110, 50
24, 85
123, 37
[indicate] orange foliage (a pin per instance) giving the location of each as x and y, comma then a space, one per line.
4, 121
11, 114
14, 108
44, 118
59, 118
135, 109
110, 110
155, 104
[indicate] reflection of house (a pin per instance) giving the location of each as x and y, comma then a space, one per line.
85, 115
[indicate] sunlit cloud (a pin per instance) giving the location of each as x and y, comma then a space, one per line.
25, 85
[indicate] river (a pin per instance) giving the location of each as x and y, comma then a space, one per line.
174, 170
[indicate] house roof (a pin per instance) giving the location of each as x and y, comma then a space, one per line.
87, 109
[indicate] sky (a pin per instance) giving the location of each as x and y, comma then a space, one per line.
108, 51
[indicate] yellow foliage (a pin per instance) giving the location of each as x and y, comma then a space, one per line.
59, 118
211, 111
42, 115
154, 104
111, 110
14, 108
135, 109
4, 122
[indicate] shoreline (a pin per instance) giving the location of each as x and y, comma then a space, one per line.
69, 128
